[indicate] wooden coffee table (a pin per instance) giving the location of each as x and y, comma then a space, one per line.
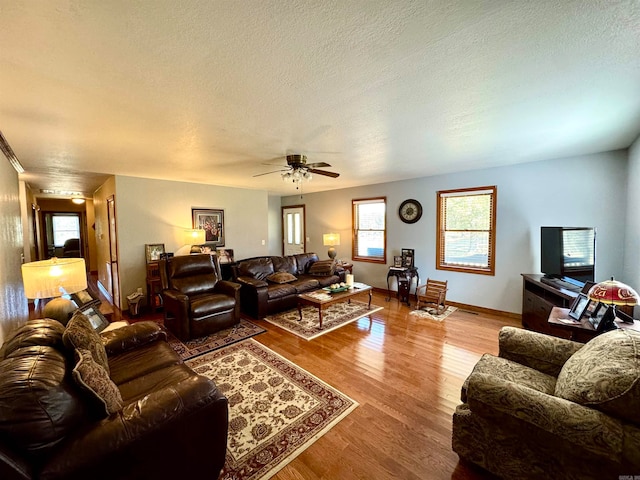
322, 303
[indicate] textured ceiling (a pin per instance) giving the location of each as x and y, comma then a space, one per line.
208, 91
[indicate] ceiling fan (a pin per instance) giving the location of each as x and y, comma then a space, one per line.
297, 169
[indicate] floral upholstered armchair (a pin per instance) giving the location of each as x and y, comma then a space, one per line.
552, 408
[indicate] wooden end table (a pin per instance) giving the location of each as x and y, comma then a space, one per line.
581, 331
322, 303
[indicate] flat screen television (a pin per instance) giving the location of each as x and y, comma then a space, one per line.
568, 253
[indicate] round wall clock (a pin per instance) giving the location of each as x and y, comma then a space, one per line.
410, 211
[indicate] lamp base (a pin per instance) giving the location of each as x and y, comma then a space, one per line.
59, 309
332, 253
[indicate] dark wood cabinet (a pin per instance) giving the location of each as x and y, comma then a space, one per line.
538, 299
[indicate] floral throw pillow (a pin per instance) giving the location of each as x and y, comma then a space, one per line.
80, 334
94, 380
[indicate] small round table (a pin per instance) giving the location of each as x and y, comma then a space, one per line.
404, 277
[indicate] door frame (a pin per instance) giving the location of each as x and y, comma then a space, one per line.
304, 225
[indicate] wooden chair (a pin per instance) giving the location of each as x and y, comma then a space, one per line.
433, 292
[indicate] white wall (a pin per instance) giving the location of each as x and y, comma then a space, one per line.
581, 191
158, 211
14, 309
631, 272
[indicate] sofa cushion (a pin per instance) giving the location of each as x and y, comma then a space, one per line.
305, 283
279, 290
80, 334
605, 374
285, 264
323, 268
258, 268
211, 304
94, 380
281, 277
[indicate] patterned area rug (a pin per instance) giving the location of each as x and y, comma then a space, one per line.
430, 313
336, 316
276, 409
197, 346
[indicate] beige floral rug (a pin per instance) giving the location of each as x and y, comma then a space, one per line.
430, 313
197, 346
335, 316
276, 409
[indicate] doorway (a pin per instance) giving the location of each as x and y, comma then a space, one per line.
293, 230
64, 234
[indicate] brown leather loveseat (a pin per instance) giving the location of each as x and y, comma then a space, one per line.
271, 284
60, 418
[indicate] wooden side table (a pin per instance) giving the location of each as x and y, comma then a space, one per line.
348, 267
580, 331
404, 277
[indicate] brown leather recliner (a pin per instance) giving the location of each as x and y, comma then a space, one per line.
196, 301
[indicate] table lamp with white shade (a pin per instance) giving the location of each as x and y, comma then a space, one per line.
192, 237
51, 279
331, 240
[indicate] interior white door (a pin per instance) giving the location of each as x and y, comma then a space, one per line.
293, 234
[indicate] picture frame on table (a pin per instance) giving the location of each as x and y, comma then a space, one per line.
225, 255
85, 298
211, 220
603, 318
153, 252
407, 255
98, 321
397, 261
579, 306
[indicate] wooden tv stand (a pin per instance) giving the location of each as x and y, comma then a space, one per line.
538, 299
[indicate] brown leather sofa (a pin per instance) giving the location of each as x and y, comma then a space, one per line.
171, 423
197, 302
261, 296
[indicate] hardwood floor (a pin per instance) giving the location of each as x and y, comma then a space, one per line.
406, 374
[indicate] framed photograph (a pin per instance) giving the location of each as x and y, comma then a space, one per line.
154, 251
225, 255
97, 320
212, 222
579, 306
603, 317
407, 257
397, 261
85, 298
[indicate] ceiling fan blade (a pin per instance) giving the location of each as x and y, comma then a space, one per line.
273, 171
319, 164
324, 172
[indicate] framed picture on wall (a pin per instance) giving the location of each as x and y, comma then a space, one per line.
212, 222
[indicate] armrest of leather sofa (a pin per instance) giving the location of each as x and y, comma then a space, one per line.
542, 352
252, 282
144, 428
499, 400
228, 288
132, 336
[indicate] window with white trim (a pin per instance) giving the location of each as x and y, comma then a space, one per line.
466, 236
370, 230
